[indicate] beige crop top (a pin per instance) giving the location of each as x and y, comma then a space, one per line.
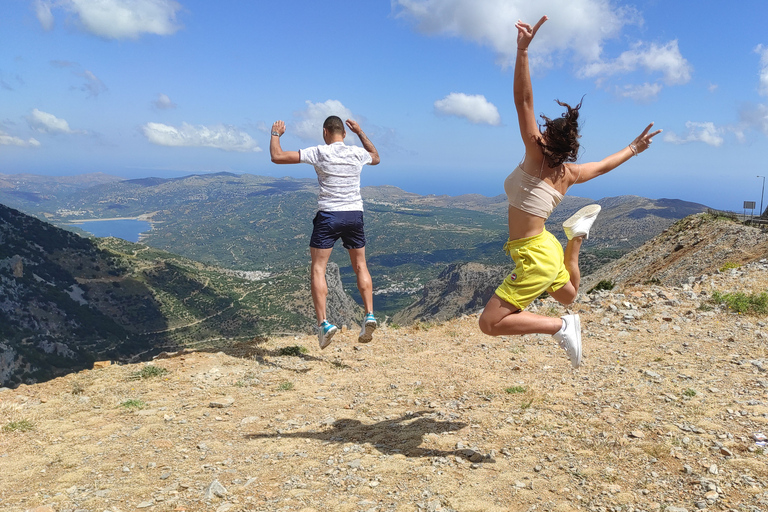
531, 194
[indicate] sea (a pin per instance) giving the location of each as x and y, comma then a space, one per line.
127, 229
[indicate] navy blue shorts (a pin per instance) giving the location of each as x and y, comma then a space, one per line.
330, 226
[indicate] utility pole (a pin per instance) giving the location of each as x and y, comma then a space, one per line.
761, 195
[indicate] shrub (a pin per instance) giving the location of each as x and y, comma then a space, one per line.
728, 265
605, 284
294, 350
285, 386
740, 302
148, 372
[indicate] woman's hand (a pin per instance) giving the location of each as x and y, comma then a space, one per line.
643, 141
525, 32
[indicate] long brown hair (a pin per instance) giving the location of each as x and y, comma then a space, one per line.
560, 136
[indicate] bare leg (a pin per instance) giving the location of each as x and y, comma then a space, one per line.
364, 284
572, 260
318, 284
502, 318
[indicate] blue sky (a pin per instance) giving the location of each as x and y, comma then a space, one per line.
168, 88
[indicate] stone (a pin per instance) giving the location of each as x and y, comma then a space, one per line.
222, 403
215, 489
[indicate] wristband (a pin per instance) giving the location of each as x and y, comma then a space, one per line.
633, 148
275, 134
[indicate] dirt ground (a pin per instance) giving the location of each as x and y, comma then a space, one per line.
664, 415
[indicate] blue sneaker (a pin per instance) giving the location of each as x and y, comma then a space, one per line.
366, 332
325, 332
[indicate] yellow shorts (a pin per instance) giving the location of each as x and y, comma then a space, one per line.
539, 267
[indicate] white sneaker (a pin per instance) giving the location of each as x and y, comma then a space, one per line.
569, 338
579, 223
324, 333
366, 332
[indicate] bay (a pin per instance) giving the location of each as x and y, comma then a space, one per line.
127, 229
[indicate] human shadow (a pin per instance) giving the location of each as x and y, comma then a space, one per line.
401, 435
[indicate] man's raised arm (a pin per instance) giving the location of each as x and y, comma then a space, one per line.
276, 152
367, 144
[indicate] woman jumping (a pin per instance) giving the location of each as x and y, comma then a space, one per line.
533, 190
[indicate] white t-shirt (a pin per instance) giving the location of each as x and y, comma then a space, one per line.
338, 168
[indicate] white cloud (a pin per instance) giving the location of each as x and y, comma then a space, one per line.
707, 133
474, 108
163, 102
10, 140
44, 15
640, 93
116, 19
310, 123
652, 58
48, 123
580, 26
763, 52
576, 31
226, 138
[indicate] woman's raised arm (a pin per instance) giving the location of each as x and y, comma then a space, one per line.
594, 169
522, 88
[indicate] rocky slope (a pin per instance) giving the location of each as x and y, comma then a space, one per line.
66, 301
666, 414
698, 244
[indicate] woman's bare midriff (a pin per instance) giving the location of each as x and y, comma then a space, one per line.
523, 225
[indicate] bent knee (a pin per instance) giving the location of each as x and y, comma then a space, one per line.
486, 327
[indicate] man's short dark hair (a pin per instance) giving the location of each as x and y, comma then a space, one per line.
334, 125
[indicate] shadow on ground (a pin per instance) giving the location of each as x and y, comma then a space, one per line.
402, 435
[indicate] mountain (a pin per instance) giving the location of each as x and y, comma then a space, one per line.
460, 289
699, 244
258, 223
27, 192
66, 301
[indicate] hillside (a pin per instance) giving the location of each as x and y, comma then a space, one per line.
258, 223
664, 415
698, 244
66, 301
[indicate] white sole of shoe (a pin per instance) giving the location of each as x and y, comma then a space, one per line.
588, 211
367, 335
577, 322
327, 339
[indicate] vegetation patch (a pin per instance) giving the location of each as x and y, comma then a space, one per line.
18, 426
605, 284
133, 403
285, 386
148, 372
515, 389
293, 350
742, 303
729, 265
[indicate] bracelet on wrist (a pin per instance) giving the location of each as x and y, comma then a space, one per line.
275, 134
633, 148
522, 49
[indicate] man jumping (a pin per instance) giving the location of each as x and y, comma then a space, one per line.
339, 215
